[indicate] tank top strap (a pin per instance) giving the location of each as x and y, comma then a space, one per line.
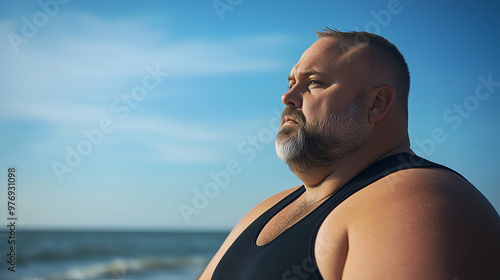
372, 173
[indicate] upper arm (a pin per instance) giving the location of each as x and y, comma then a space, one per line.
398, 240
240, 227
431, 226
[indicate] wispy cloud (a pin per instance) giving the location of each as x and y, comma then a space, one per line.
171, 129
70, 72
181, 153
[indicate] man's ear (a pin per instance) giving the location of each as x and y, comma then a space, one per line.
381, 99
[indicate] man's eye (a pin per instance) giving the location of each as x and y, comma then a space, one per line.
311, 82
315, 82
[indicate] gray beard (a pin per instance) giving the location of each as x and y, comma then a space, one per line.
317, 145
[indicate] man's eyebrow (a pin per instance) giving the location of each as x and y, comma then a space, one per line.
306, 73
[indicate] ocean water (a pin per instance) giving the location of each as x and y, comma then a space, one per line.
64, 255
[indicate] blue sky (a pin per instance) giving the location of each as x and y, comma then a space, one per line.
180, 100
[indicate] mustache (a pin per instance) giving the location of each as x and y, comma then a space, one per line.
295, 114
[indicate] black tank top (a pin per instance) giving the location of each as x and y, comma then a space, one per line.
291, 254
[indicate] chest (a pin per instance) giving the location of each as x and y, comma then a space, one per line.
283, 220
331, 240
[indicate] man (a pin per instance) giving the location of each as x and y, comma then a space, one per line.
369, 208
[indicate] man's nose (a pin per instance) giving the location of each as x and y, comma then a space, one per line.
292, 98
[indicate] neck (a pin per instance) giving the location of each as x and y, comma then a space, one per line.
323, 182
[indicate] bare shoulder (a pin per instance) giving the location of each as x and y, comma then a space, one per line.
419, 224
429, 191
424, 192
253, 214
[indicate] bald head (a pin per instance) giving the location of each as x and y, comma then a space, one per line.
386, 65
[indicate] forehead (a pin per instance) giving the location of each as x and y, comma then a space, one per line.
327, 55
